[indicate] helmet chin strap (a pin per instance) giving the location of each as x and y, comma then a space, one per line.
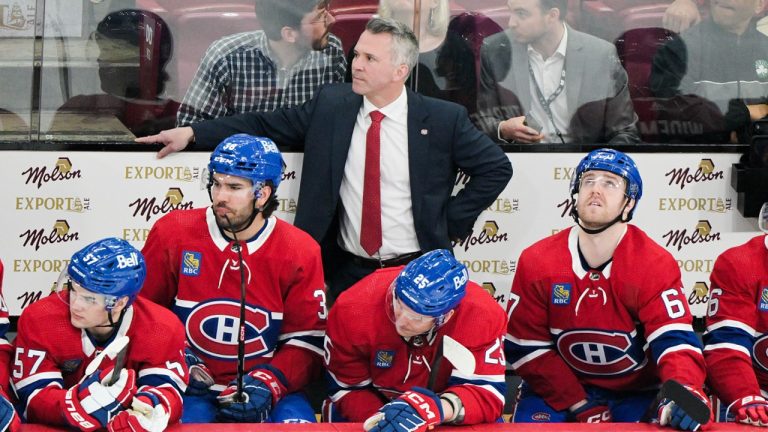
243, 226
112, 323
618, 218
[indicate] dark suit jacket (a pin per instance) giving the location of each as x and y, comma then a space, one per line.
441, 140
596, 87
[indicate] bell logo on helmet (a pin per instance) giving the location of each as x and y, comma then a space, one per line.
127, 261
460, 280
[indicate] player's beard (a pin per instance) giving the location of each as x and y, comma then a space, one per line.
604, 215
594, 217
237, 220
321, 43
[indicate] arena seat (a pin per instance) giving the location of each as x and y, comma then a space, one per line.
608, 19
198, 27
636, 49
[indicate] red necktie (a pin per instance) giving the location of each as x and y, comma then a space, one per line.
370, 226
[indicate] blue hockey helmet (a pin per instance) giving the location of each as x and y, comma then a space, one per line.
255, 158
615, 162
111, 267
432, 284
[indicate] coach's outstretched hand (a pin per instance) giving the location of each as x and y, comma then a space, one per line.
174, 140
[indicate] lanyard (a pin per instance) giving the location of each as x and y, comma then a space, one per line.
546, 102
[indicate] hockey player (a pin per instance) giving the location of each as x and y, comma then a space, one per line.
60, 335
383, 337
737, 323
194, 268
597, 314
9, 418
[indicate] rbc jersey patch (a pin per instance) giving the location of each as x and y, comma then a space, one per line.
190, 263
763, 306
384, 359
561, 294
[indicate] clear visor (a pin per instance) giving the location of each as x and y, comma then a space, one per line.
396, 309
71, 293
762, 218
207, 183
591, 181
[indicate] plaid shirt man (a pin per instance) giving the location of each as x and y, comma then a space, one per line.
237, 74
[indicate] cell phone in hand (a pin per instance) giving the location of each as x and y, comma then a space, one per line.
531, 122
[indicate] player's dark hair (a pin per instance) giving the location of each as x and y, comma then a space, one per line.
276, 14
561, 5
272, 203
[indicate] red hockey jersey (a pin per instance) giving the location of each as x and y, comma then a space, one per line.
623, 328
370, 364
736, 342
5, 347
51, 356
193, 269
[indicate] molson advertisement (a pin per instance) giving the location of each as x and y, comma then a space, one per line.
54, 203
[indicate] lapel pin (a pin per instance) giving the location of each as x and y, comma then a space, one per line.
424, 131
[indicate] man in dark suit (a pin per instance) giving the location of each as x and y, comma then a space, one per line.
542, 81
424, 141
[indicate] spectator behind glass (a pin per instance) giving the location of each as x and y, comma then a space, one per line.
446, 67
682, 14
543, 81
134, 47
712, 80
279, 66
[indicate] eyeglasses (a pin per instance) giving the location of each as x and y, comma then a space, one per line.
604, 182
324, 17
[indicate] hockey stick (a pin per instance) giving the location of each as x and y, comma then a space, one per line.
694, 407
115, 350
119, 363
239, 397
460, 357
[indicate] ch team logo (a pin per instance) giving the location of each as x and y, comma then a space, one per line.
760, 353
212, 327
595, 352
